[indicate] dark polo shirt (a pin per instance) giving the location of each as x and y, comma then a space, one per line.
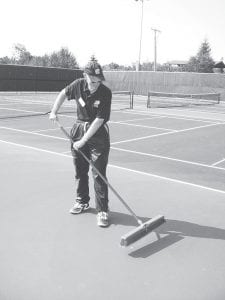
90, 106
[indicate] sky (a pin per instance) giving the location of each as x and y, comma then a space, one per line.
110, 29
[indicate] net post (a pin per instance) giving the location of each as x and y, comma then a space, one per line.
148, 100
130, 93
218, 99
132, 100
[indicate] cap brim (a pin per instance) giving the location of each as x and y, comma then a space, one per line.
100, 76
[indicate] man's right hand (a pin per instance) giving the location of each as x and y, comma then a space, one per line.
53, 117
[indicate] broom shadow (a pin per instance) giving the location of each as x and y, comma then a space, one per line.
167, 234
175, 231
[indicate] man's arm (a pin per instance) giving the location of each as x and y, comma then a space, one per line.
58, 102
95, 125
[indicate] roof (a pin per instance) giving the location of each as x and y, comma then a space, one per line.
220, 65
177, 62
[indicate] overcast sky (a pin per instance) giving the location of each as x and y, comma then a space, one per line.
110, 29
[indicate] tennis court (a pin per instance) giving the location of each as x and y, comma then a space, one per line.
162, 161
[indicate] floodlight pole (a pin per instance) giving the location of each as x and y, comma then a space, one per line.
155, 48
142, 13
140, 43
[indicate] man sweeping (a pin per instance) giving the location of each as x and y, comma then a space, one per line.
90, 134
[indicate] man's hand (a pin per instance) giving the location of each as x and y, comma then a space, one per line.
79, 144
53, 117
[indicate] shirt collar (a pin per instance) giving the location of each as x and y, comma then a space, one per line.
86, 86
86, 90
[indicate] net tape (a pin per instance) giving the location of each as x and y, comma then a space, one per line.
28, 104
161, 99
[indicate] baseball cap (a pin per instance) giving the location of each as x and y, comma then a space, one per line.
94, 69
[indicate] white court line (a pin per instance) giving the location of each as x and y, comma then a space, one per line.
11, 100
116, 122
165, 133
203, 110
218, 162
144, 126
138, 125
139, 119
23, 110
114, 143
35, 148
180, 116
5, 104
49, 129
121, 168
34, 133
169, 158
142, 153
171, 116
54, 137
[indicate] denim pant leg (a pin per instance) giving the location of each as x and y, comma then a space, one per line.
80, 165
100, 188
99, 153
81, 176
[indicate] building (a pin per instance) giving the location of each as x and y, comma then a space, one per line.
219, 67
177, 65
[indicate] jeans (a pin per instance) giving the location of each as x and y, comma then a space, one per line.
97, 150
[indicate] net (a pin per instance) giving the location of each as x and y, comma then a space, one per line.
166, 100
31, 104
122, 100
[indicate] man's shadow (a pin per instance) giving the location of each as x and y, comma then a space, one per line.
173, 231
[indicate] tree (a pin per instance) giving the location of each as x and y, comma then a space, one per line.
41, 61
202, 62
7, 60
63, 59
204, 58
192, 65
21, 55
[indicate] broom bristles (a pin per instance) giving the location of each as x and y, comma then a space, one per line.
141, 230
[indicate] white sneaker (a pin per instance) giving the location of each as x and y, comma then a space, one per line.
79, 207
103, 219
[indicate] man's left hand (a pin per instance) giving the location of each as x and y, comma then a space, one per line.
79, 144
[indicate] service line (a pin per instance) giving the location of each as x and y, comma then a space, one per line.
168, 158
166, 133
121, 168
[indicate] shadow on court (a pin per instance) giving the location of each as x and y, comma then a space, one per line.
117, 218
176, 231
173, 231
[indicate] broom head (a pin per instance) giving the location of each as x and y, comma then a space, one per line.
141, 230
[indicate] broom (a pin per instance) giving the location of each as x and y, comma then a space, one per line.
144, 228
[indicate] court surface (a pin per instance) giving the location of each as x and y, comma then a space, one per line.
162, 161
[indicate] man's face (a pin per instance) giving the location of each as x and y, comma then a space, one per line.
93, 82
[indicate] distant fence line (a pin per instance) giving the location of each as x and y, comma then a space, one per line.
29, 78
169, 82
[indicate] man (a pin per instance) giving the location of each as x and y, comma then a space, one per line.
90, 134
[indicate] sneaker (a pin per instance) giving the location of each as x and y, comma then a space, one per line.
79, 207
103, 219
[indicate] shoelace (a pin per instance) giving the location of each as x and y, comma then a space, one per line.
103, 215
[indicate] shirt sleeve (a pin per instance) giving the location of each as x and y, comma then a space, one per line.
104, 108
72, 90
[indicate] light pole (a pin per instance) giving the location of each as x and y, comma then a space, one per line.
155, 47
140, 43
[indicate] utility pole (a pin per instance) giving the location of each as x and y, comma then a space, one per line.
155, 47
140, 43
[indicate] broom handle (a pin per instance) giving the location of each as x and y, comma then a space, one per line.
100, 175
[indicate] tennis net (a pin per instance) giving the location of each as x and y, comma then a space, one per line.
166, 100
31, 104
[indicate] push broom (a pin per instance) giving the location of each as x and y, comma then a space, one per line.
144, 227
